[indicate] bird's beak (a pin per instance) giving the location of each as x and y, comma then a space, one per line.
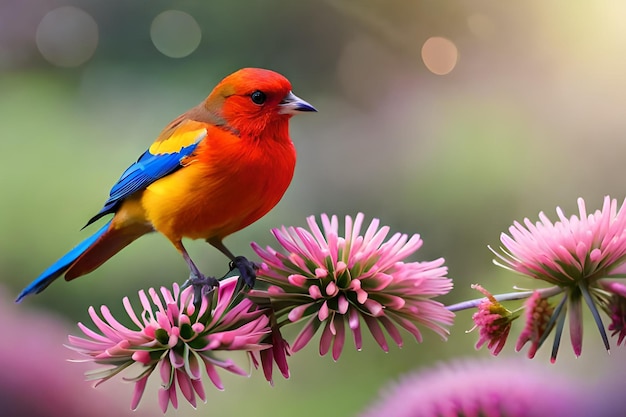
293, 104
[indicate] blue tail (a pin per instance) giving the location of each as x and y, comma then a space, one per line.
59, 267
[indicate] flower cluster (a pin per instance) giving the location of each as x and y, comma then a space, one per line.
344, 282
580, 256
176, 336
334, 282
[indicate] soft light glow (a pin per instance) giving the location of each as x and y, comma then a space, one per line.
440, 55
175, 34
481, 26
67, 36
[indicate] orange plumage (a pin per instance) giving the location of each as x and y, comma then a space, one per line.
212, 171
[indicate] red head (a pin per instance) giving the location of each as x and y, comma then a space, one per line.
254, 99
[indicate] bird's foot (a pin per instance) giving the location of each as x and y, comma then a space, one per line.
202, 286
247, 270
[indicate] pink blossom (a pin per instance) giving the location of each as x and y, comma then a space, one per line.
493, 322
575, 254
176, 337
337, 283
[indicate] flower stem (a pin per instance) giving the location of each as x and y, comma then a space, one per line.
518, 295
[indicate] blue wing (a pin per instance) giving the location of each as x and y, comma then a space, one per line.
148, 168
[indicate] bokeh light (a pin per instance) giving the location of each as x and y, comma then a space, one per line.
440, 55
67, 36
175, 34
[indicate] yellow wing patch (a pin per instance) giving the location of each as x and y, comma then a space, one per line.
174, 139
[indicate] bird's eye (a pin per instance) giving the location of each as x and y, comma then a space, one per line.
258, 97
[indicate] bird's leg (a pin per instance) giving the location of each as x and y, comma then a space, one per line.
202, 285
247, 269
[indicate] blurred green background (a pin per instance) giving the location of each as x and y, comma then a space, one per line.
447, 119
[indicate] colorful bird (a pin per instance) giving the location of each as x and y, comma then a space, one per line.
212, 171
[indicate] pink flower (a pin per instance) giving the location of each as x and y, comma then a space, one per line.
177, 337
493, 322
574, 254
336, 282
503, 388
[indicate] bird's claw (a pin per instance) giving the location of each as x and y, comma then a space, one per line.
202, 286
247, 270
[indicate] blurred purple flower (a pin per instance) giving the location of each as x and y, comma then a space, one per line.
481, 388
36, 380
575, 254
175, 336
339, 281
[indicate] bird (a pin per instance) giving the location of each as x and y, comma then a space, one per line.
212, 171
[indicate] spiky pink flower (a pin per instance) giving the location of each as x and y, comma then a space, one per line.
503, 388
493, 322
336, 282
177, 337
574, 254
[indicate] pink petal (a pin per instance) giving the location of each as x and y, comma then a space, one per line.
321, 272
297, 280
354, 324
140, 387
192, 366
297, 313
131, 312
576, 325
267, 360
186, 388
306, 334
326, 338
142, 356
339, 338
167, 373
164, 399
199, 388
315, 292
342, 304
331, 289
377, 332
374, 307
175, 359
213, 376
323, 312
392, 330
